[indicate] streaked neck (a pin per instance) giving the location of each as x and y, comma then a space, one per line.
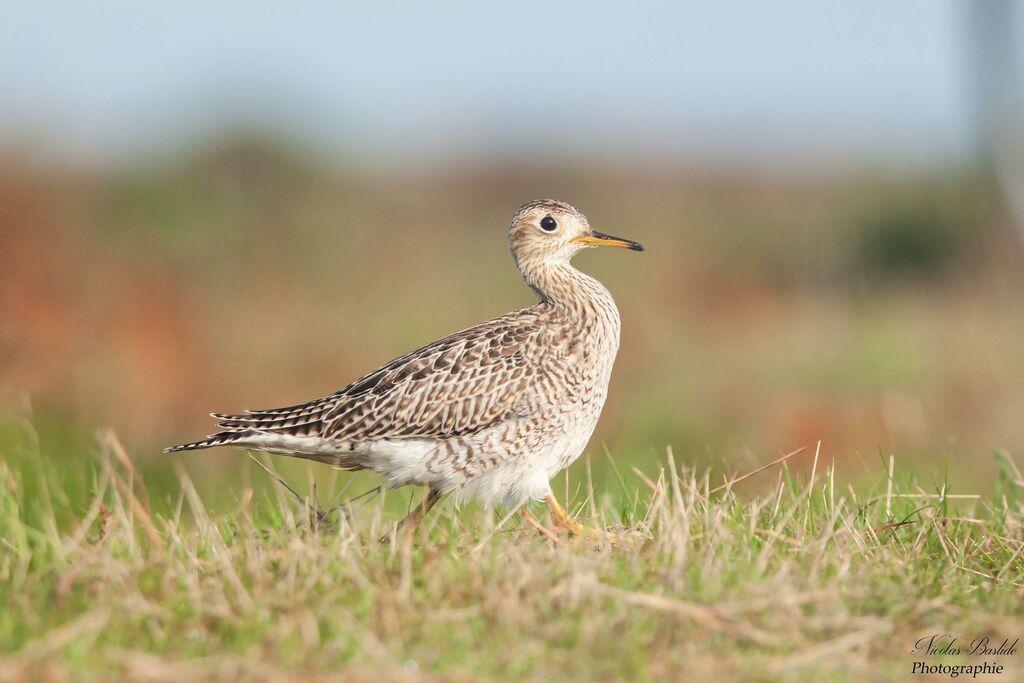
562, 286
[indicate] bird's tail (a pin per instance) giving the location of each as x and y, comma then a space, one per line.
218, 439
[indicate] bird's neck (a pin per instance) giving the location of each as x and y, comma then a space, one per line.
576, 294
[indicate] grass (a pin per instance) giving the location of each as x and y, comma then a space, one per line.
803, 581
872, 312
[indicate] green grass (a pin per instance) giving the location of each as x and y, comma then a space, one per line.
804, 581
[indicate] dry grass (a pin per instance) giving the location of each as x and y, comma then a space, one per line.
803, 582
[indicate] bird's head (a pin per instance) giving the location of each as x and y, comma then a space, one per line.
550, 232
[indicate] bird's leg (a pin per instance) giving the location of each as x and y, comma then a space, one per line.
541, 529
411, 521
563, 520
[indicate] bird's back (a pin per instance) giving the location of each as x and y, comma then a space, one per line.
458, 385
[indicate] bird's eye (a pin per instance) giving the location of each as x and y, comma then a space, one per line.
548, 224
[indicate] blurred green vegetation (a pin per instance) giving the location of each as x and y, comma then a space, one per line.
875, 313
913, 241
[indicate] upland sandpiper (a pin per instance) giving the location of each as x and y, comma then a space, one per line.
493, 412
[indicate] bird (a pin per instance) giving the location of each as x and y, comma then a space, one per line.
492, 412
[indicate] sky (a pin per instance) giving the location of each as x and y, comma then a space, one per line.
746, 81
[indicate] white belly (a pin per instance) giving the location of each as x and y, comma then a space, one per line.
520, 477
493, 466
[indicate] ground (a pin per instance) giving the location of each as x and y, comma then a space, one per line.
797, 580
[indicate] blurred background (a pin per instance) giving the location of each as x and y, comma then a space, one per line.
217, 206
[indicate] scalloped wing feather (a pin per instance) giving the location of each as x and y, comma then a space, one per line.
458, 385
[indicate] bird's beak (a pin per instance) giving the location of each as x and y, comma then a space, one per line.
598, 239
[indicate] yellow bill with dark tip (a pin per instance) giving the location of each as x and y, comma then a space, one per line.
599, 239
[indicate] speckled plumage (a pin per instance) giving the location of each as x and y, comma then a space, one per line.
492, 412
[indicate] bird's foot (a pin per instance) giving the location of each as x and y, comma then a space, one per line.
613, 539
541, 529
575, 528
563, 520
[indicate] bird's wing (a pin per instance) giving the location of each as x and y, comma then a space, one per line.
457, 385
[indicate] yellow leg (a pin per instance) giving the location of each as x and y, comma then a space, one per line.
563, 520
541, 529
412, 521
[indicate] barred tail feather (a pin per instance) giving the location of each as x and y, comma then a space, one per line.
218, 439
346, 456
